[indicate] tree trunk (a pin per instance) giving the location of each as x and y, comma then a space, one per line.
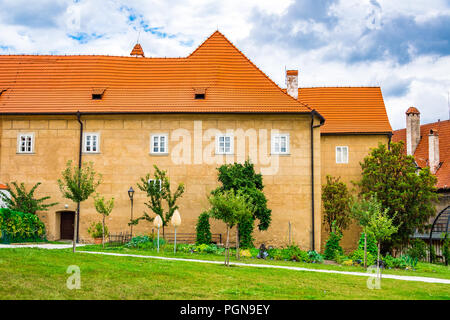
237, 242
365, 250
75, 224
103, 232
227, 250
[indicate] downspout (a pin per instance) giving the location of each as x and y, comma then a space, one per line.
79, 167
390, 139
322, 121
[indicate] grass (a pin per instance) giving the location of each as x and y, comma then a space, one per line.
31, 273
422, 269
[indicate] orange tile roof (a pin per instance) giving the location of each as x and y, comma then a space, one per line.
64, 84
3, 187
421, 153
348, 109
137, 51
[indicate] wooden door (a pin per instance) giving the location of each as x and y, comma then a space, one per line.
67, 225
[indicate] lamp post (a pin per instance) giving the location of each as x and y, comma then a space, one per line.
157, 223
130, 195
176, 221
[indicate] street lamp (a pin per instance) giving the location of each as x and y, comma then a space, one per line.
176, 221
130, 195
157, 223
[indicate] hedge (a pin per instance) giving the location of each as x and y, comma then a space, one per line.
20, 227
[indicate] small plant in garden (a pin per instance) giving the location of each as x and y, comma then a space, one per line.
77, 184
96, 230
158, 190
315, 257
332, 247
21, 200
20, 227
203, 229
104, 208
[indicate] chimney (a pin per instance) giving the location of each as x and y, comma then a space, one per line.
292, 83
433, 150
412, 130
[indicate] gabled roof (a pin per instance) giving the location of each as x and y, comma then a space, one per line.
63, 84
421, 153
348, 109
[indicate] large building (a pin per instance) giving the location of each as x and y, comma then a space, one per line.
187, 116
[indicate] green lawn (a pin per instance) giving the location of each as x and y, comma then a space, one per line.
41, 274
422, 269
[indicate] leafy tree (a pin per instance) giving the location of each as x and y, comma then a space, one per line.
104, 208
336, 200
230, 207
332, 247
408, 195
243, 177
417, 249
77, 184
203, 229
22, 200
158, 190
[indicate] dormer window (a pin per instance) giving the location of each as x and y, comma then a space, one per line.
199, 93
97, 93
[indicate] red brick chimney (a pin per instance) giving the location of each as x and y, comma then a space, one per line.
433, 150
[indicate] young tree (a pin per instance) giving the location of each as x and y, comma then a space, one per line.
243, 177
336, 200
381, 227
77, 184
362, 211
104, 208
408, 195
230, 207
203, 229
24, 201
158, 190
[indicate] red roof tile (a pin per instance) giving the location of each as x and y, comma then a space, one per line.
421, 153
64, 84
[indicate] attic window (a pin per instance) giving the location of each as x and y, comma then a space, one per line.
97, 93
199, 93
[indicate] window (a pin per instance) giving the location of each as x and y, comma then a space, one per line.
91, 143
224, 144
25, 143
155, 183
199, 96
341, 154
280, 143
159, 144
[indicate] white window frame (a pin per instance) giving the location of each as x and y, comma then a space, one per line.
91, 134
340, 154
160, 182
279, 135
19, 140
225, 135
166, 144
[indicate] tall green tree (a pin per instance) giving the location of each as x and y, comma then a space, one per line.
162, 201
77, 184
24, 201
104, 207
230, 207
409, 194
336, 201
242, 177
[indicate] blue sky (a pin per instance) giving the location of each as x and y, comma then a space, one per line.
402, 46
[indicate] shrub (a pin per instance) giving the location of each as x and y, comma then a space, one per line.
315, 257
391, 262
203, 229
371, 244
332, 247
20, 227
446, 249
358, 256
140, 242
293, 252
96, 230
417, 249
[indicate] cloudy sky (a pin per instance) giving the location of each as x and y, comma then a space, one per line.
402, 46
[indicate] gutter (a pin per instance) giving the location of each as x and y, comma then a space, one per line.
322, 121
79, 167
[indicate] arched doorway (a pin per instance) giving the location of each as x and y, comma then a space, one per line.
66, 224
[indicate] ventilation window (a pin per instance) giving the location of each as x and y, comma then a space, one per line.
97, 93
199, 93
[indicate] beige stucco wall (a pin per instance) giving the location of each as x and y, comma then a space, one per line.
125, 157
358, 147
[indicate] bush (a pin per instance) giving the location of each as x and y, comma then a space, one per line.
315, 257
20, 227
371, 244
332, 247
417, 249
96, 230
203, 229
358, 257
446, 249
